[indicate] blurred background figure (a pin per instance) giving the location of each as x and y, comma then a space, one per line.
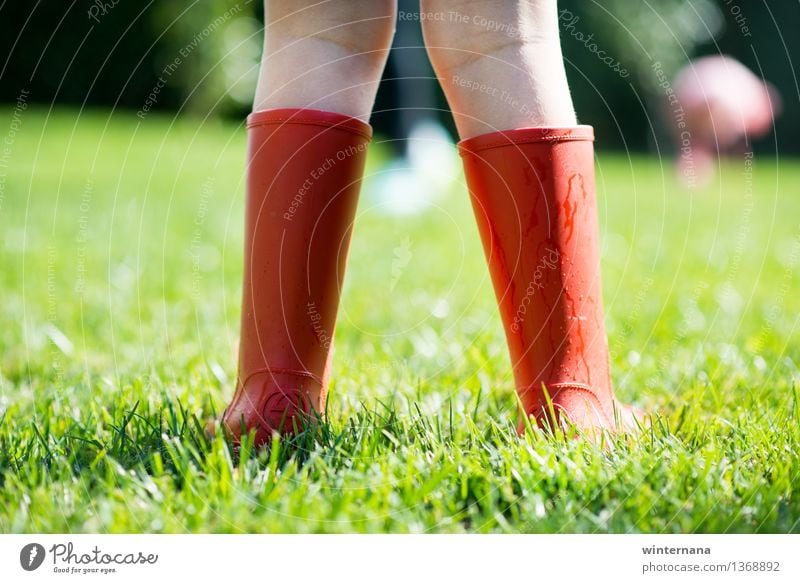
409, 103
725, 107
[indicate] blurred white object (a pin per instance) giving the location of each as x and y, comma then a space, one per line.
409, 184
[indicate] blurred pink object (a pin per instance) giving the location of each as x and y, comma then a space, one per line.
725, 106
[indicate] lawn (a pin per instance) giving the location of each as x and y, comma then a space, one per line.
120, 285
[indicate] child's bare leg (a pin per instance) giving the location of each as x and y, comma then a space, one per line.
530, 171
325, 54
307, 146
499, 63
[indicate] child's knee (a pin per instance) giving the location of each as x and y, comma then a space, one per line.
362, 28
461, 32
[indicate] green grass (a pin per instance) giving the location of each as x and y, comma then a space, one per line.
120, 285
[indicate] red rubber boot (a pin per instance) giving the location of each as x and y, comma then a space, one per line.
533, 193
303, 180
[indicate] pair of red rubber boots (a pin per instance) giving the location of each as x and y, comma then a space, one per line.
533, 194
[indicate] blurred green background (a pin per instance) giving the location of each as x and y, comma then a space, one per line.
111, 54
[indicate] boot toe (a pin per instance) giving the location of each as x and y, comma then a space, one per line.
577, 405
267, 404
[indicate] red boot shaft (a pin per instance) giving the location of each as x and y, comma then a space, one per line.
303, 179
533, 193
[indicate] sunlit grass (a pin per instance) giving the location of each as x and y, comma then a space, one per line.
120, 285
